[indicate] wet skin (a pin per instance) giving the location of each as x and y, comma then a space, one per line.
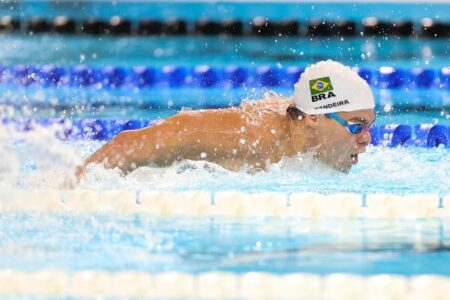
250, 136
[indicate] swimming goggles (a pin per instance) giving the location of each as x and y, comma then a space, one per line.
352, 128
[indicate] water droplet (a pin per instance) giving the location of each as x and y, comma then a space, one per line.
387, 108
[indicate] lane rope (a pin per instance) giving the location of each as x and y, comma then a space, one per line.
206, 76
226, 203
259, 26
388, 135
221, 285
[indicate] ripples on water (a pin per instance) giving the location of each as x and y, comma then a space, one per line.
38, 160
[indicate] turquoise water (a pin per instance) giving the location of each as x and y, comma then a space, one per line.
114, 243
223, 9
151, 103
415, 106
246, 51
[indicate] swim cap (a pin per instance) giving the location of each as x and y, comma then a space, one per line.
328, 87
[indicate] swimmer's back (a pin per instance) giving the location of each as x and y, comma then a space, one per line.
232, 137
271, 104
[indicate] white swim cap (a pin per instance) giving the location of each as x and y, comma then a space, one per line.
328, 87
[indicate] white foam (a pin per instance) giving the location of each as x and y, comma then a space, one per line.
36, 159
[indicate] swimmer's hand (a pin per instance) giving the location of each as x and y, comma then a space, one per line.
72, 180
79, 171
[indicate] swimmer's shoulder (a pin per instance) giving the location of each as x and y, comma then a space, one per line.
270, 103
206, 118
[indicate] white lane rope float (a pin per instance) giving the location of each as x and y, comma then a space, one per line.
222, 285
226, 203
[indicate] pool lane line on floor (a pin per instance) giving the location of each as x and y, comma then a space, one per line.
221, 285
226, 203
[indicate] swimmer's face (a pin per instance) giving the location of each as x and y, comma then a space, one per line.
336, 145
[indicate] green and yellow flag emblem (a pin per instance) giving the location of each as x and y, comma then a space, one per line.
320, 85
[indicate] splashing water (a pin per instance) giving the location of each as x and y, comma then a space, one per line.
37, 159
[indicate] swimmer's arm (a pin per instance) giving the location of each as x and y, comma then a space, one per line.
129, 149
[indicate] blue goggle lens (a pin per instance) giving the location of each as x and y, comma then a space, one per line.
356, 128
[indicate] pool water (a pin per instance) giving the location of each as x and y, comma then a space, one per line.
114, 243
245, 10
219, 51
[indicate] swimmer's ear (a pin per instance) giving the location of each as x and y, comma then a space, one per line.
294, 113
311, 121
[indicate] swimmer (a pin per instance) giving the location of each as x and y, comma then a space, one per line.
329, 115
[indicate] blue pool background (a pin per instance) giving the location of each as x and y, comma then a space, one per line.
188, 51
111, 242
193, 10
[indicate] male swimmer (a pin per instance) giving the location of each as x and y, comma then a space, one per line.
328, 115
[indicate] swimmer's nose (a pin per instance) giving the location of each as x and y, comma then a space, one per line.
364, 137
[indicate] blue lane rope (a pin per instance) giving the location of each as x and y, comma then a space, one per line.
204, 76
389, 135
259, 26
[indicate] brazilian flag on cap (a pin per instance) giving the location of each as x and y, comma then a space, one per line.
320, 85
